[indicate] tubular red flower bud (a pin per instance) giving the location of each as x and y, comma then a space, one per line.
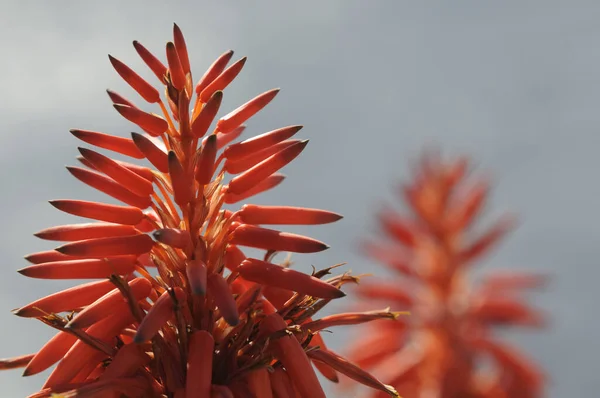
259, 383
143, 88
224, 139
291, 354
350, 318
75, 232
182, 51
110, 187
153, 153
268, 239
121, 145
243, 164
66, 300
233, 119
117, 98
150, 123
223, 298
281, 385
160, 313
81, 269
128, 360
206, 116
110, 303
196, 273
15, 363
268, 183
175, 68
273, 275
200, 360
221, 81
47, 256
255, 214
206, 161
136, 184
173, 237
260, 142
213, 71
50, 353
153, 63
111, 246
182, 187
258, 173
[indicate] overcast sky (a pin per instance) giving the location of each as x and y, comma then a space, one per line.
514, 84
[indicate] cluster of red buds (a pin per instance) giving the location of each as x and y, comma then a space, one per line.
176, 309
446, 348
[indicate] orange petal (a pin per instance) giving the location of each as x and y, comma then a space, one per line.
224, 139
110, 187
260, 142
396, 226
69, 299
117, 98
291, 354
199, 374
149, 122
100, 211
15, 363
259, 383
153, 63
181, 49
218, 391
175, 69
221, 81
112, 246
111, 302
121, 145
206, 161
213, 71
196, 273
255, 214
349, 369
74, 232
219, 289
127, 362
81, 269
277, 296
127, 178
258, 173
159, 314
281, 384
233, 257
268, 183
143, 88
486, 241
243, 164
238, 116
326, 370
391, 293
206, 116
173, 237
269, 239
50, 353
274, 275
153, 153
180, 181
47, 257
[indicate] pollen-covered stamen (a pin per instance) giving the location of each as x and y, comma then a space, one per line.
149, 122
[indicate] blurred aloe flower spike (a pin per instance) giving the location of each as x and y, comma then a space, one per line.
438, 350
175, 309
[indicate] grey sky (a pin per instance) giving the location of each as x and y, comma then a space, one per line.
515, 84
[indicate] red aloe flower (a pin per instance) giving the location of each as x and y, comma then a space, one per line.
439, 349
185, 314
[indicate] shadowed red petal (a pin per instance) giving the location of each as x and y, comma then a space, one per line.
269, 239
143, 88
182, 52
221, 293
127, 178
81, 269
175, 68
201, 351
50, 353
233, 119
260, 142
243, 164
126, 215
281, 384
173, 237
127, 362
153, 153
160, 313
233, 257
259, 383
224, 139
255, 214
274, 275
206, 116
117, 98
112, 246
196, 273
206, 161
74, 232
256, 174
213, 71
121, 145
222, 81
149, 122
65, 300
182, 187
153, 63
110, 187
